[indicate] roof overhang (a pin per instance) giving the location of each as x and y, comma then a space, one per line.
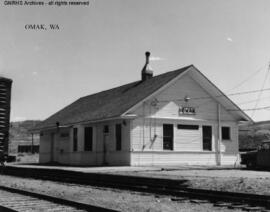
37, 130
219, 96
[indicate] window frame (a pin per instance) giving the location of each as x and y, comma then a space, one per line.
227, 133
106, 129
168, 140
188, 127
118, 137
75, 139
86, 139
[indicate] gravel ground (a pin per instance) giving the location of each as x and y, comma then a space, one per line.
109, 198
234, 180
215, 178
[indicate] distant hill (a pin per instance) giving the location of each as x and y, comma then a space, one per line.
252, 135
19, 129
19, 134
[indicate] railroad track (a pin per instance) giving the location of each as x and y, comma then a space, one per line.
174, 188
12, 200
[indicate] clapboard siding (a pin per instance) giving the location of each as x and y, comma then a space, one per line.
95, 158
187, 140
230, 146
179, 158
147, 130
230, 159
143, 135
171, 98
184, 140
172, 158
63, 146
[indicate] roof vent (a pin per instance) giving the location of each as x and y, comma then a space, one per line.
147, 71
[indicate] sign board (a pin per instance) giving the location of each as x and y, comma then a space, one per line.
183, 110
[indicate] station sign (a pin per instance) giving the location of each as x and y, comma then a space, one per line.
184, 110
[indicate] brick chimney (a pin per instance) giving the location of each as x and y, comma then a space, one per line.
147, 71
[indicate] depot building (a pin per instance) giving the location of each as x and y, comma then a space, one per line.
179, 117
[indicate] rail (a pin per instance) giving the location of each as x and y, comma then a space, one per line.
175, 188
13, 199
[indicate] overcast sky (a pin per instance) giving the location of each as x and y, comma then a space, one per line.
102, 45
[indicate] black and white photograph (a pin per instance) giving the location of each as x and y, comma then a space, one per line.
134, 105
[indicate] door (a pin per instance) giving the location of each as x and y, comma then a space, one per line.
167, 136
207, 138
52, 147
105, 149
105, 144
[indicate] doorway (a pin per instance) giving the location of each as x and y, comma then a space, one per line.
105, 144
52, 147
207, 138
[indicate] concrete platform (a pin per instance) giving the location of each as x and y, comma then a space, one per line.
85, 169
112, 169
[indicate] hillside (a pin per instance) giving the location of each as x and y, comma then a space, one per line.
250, 136
19, 134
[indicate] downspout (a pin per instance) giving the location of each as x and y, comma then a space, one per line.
143, 134
131, 155
219, 138
143, 126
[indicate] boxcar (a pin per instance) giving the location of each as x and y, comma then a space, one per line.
5, 94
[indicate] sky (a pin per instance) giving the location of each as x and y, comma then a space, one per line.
102, 45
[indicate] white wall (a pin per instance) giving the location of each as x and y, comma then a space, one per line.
148, 149
63, 147
172, 158
170, 99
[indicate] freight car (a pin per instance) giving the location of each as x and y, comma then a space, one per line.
5, 94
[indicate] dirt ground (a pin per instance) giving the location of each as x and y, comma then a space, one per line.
110, 198
215, 178
26, 157
234, 180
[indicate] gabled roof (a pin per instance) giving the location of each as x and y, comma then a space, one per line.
118, 101
110, 103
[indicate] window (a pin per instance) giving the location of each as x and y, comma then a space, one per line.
225, 132
118, 136
75, 139
168, 136
64, 135
88, 138
207, 138
106, 129
187, 127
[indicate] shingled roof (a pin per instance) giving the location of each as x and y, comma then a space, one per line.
110, 103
